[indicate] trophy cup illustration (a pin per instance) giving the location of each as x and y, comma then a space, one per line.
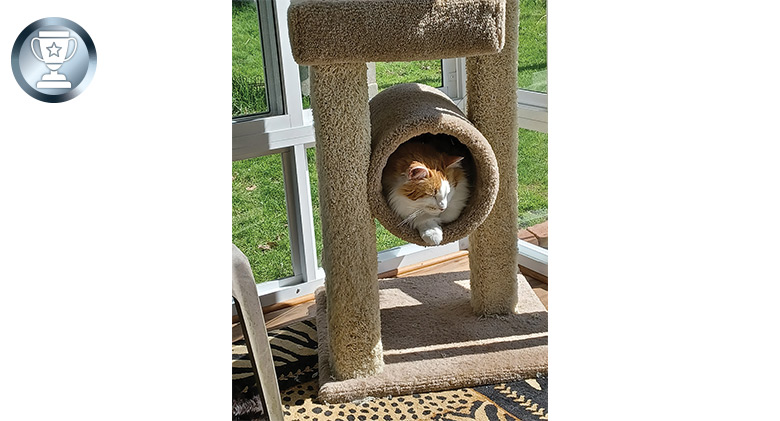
54, 47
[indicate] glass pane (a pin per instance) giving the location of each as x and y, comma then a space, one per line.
531, 178
427, 72
305, 86
311, 160
260, 216
532, 51
249, 90
384, 239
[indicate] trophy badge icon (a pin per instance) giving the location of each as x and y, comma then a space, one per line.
54, 46
53, 42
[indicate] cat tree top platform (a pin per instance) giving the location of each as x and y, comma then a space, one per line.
359, 31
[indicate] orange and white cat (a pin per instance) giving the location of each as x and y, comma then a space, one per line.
425, 187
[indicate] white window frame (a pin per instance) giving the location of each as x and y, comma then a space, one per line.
287, 129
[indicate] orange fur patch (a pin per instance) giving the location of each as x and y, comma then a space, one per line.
411, 154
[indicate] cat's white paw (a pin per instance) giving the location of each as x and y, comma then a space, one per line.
432, 236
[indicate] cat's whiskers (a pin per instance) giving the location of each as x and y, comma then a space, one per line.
408, 220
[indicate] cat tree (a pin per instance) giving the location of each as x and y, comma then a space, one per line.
337, 38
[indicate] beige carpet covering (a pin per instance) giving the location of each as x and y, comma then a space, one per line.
433, 341
342, 31
342, 125
491, 84
400, 113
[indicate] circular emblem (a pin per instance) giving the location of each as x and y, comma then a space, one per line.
53, 59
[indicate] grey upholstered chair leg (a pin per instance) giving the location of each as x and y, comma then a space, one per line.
251, 314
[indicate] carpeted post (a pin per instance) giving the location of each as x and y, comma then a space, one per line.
341, 121
492, 107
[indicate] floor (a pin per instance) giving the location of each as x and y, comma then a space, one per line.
305, 308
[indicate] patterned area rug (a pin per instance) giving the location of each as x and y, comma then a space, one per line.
295, 357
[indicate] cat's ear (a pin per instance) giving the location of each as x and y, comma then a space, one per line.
417, 171
452, 161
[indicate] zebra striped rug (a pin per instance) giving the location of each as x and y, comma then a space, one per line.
295, 357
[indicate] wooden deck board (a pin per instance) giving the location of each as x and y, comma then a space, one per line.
290, 315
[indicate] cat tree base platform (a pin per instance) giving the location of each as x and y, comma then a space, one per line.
433, 341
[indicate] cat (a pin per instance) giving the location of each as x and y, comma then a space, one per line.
426, 185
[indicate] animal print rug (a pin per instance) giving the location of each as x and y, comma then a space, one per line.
294, 350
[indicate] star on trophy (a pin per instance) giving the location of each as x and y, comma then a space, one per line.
54, 48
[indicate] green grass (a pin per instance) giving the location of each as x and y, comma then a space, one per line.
531, 177
426, 72
259, 207
260, 216
249, 96
532, 48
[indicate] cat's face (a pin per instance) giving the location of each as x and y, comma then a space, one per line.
431, 189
